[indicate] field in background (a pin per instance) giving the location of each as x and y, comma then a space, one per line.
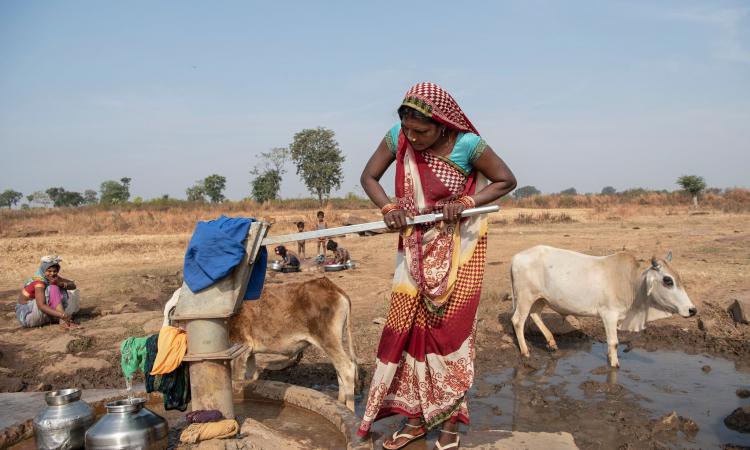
175, 216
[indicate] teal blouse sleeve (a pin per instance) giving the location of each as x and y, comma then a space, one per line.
469, 147
391, 137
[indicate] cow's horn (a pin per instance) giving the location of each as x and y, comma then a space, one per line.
654, 262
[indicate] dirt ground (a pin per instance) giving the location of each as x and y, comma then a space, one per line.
126, 279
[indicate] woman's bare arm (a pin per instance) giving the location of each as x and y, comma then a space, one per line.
373, 171
501, 180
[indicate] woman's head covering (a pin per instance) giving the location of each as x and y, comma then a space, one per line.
437, 104
47, 262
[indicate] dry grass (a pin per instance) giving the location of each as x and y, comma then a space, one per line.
175, 217
543, 217
734, 200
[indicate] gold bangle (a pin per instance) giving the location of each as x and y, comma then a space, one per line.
388, 208
467, 201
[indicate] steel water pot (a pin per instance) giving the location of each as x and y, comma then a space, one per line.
128, 425
63, 423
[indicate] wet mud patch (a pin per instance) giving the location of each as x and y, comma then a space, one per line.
657, 399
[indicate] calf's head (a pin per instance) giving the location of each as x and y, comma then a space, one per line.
666, 291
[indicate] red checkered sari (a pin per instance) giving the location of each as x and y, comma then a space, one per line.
425, 360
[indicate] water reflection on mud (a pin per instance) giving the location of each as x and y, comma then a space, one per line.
575, 389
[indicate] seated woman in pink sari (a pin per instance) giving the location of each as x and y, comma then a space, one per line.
47, 296
425, 360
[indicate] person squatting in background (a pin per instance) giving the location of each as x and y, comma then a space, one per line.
340, 254
289, 259
47, 296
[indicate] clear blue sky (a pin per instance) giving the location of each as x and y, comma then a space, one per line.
578, 93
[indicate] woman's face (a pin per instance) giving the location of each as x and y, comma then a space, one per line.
420, 133
51, 273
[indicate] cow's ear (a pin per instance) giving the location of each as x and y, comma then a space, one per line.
650, 282
669, 256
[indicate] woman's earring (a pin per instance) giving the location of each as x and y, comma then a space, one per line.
443, 132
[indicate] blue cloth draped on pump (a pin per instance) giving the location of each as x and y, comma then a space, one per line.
174, 386
215, 249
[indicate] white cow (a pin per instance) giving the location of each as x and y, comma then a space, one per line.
612, 287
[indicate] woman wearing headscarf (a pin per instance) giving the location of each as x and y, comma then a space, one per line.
45, 296
425, 359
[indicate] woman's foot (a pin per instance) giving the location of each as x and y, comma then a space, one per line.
448, 439
412, 430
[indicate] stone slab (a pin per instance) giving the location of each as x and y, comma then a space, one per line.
18, 407
517, 440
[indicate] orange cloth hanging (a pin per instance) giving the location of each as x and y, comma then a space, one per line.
171, 348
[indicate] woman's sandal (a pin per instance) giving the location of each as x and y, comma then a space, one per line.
452, 444
411, 438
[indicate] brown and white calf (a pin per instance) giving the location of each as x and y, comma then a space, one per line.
612, 287
286, 320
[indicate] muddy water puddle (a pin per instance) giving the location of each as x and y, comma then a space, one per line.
650, 384
297, 423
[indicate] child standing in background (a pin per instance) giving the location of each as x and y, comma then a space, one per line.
301, 244
322, 225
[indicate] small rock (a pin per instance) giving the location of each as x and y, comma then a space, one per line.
378, 320
706, 368
667, 422
507, 339
688, 426
80, 344
740, 310
42, 387
739, 420
105, 312
507, 297
743, 393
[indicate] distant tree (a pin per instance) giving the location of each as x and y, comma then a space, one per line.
693, 184
609, 190
9, 198
569, 191
113, 192
61, 198
213, 185
40, 198
196, 193
265, 187
318, 159
526, 191
267, 182
90, 197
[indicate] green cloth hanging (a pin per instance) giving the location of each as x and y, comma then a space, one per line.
133, 355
